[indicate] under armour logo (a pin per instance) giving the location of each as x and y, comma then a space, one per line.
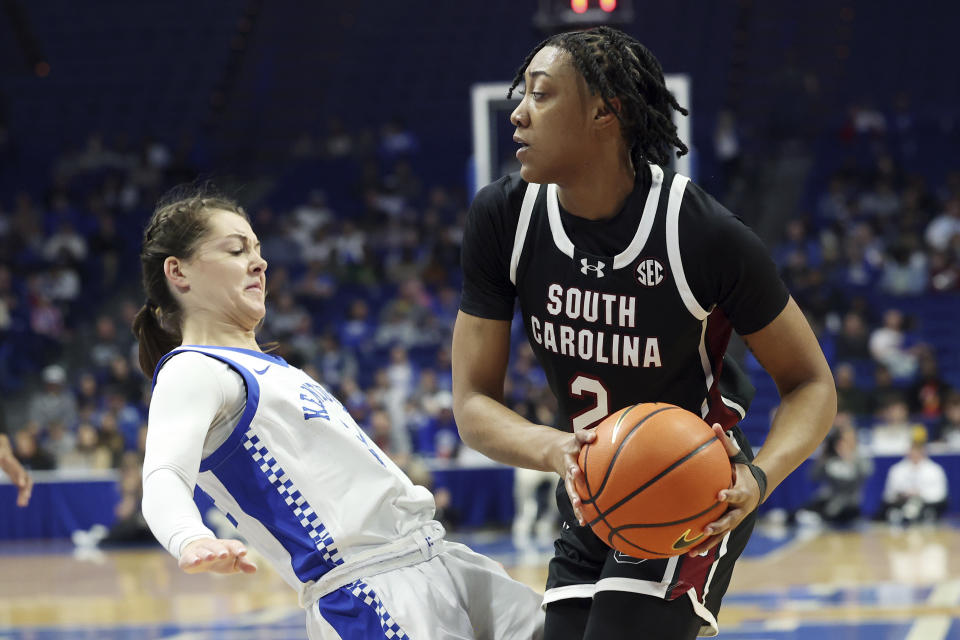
586, 267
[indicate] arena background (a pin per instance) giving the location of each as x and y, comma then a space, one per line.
345, 130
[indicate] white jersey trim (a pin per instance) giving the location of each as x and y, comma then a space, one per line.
710, 628
560, 238
526, 211
567, 592
705, 363
677, 189
628, 255
735, 406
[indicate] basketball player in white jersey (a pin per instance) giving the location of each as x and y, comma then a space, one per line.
283, 460
629, 280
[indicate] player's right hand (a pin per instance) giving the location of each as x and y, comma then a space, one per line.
18, 475
216, 556
565, 462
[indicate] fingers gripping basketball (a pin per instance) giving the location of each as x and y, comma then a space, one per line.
651, 480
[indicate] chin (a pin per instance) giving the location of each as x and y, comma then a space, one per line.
529, 174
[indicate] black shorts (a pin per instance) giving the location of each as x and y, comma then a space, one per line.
583, 565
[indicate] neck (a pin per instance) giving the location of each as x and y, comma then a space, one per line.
599, 189
218, 333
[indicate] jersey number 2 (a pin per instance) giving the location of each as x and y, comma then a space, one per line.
584, 384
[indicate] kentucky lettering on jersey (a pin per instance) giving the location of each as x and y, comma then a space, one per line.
313, 397
299, 477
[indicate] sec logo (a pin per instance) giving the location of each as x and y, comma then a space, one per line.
649, 272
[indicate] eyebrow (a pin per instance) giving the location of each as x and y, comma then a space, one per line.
245, 239
538, 72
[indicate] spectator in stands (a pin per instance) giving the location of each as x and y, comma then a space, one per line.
894, 431
356, 333
397, 140
851, 398
439, 437
318, 282
29, 451
338, 142
88, 454
884, 390
66, 244
89, 398
110, 437
915, 489
59, 441
889, 346
46, 318
949, 426
881, 201
333, 362
129, 525
942, 229
105, 345
905, 268
122, 379
854, 339
286, 315
106, 247
944, 271
841, 472
9, 299
55, 403
926, 395
312, 215
864, 258
14, 470
799, 240
833, 205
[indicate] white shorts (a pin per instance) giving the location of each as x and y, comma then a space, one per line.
457, 594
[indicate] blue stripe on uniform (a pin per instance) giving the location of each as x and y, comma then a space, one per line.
262, 489
356, 611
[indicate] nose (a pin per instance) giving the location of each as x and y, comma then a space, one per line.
518, 117
259, 265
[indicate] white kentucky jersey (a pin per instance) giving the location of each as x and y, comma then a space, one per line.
302, 482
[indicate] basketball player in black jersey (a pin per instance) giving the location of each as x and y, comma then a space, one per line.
630, 279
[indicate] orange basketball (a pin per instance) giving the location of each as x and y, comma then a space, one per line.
651, 480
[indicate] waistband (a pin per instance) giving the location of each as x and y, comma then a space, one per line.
419, 546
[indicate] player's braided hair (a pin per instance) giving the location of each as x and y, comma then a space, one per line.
178, 224
617, 66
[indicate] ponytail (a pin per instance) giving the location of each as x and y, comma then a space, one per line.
153, 340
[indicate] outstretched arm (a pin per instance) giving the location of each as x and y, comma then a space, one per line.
18, 475
185, 402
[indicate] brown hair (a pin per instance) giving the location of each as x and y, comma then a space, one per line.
178, 224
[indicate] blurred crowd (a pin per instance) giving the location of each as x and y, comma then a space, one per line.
363, 290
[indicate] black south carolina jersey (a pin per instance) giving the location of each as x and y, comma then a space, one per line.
637, 308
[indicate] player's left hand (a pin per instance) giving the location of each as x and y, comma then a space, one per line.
742, 498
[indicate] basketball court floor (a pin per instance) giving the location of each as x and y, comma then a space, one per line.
873, 582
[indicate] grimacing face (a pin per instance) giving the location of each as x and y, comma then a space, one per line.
226, 276
553, 120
